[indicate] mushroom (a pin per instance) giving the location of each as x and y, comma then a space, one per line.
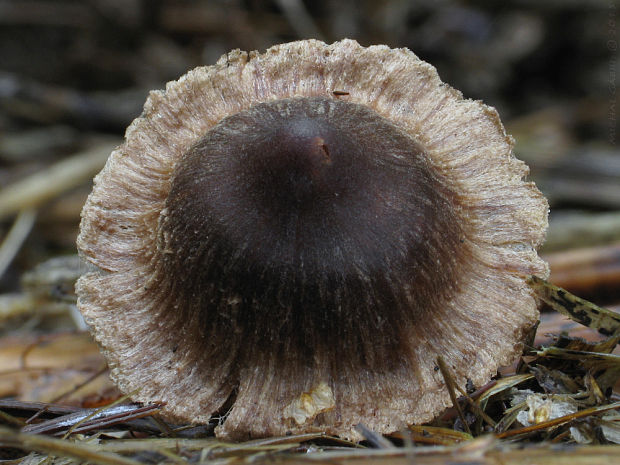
288, 240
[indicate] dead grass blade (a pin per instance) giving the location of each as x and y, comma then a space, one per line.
61, 448
558, 421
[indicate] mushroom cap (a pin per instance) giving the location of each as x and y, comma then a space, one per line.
289, 240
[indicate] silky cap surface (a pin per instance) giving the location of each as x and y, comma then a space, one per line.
288, 240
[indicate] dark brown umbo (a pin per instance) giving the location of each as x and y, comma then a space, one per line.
294, 259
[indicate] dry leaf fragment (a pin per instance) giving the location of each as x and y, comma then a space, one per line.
588, 314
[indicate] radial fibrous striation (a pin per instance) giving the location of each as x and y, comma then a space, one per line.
318, 220
290, 239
